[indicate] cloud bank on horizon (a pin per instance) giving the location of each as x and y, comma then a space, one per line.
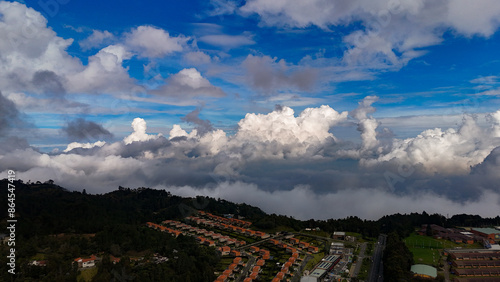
317, 110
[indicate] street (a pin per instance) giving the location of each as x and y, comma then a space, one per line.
376, 273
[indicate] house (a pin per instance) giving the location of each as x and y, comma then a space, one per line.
221, 278
260, 262
253, 275
294, 241
248, 279
280, 275
238, 260
303, 244
256, 269
235, 253
313, 249
254, 249
339, 235
225, 250
86, 262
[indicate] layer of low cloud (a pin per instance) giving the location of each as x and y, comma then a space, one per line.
281, 157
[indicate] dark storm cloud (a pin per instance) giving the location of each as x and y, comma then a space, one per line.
81, 129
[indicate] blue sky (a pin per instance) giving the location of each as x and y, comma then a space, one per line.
333, 87
314, 48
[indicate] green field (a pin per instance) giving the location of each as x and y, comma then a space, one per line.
425, 249
87, 274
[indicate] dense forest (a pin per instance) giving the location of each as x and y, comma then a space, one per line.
64, 225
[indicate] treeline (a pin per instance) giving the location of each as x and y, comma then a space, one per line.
116, 220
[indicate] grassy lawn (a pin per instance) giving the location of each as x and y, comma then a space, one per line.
316, 258
365, 267
87, 274
223, 264
425, 249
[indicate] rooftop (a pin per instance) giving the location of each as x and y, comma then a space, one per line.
424, 270
487, 230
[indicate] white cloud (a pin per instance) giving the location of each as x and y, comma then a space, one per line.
152, 42
139, 134
104, 72
97, 39
75, 145
438, 151
393, 31
29, 46
189, 83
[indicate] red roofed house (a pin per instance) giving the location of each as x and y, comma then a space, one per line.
248, 279
225, 250
256, 269
260, 262
254, 275
222, 278
86, 262
235, 253
280, 275
313, 249
254, 249
294, 241
303, 244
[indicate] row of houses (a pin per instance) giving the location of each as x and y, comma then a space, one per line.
229, 227
162, 228
232, 221
304, 245
191, 230
231, 270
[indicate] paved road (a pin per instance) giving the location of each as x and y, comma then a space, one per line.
376, 272
298, 273
246, 269
359, 261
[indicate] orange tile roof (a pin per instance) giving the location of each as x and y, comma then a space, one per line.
280, 275
248, 279
236, 259
260, 262
256, 269
227, 272
253, 275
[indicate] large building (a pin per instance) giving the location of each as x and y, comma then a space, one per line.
425, 271
491, 234
475, 264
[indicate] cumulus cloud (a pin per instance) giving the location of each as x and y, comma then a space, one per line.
392, 33
438, 151
280, 157
75, 145
139, 134
81, 129
367, 125
31, 53
188, 83
268, 74
152, 42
